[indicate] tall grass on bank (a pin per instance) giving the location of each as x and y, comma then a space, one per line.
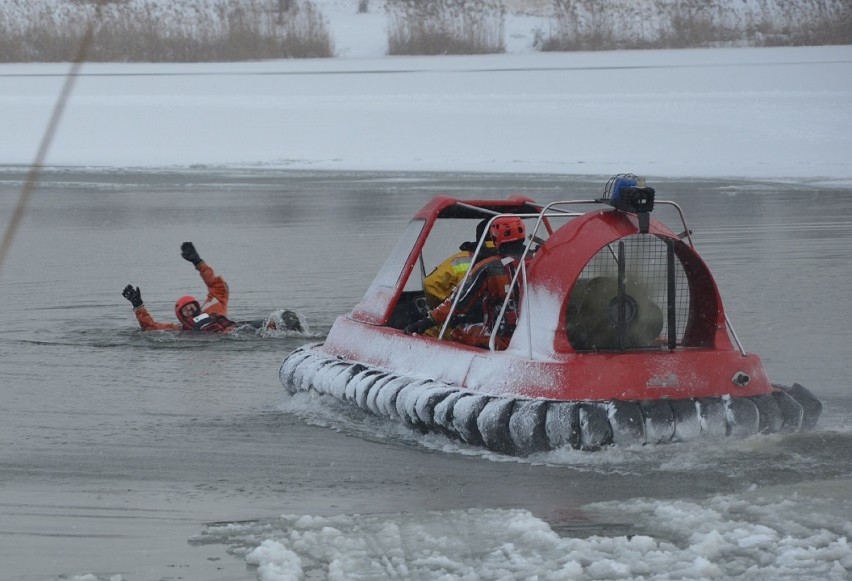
161, 31
626, 24
432, 27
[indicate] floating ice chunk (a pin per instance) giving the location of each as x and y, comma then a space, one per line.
275, 562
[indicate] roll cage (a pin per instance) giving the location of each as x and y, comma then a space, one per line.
402, 307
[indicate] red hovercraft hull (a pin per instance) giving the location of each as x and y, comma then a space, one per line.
621, 338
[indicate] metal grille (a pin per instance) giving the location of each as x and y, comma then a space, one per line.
594, 321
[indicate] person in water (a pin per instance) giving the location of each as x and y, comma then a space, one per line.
482, 295
210, 316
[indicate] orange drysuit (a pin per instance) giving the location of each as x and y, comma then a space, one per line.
480, 302
216, 303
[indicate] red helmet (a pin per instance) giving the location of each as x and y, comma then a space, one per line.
181, 303
507, 229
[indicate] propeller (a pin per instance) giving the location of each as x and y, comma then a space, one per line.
592, 316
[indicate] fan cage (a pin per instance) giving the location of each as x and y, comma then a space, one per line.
646, 260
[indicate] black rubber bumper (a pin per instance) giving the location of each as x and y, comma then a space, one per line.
518, 426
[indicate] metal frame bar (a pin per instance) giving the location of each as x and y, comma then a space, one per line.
551, 210
671, 292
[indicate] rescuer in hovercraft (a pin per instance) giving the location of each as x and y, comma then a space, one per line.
483, 293
439, 283
209, 317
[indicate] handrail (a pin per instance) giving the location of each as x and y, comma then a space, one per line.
549, 210
546, 212
479, 245
492, 340
461, 283
688, 234
686, 231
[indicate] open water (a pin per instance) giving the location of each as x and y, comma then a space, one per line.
127, 455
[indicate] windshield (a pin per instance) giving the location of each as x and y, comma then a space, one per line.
391, 270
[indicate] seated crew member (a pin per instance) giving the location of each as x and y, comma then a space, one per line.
439, 283
484, 291
210, 317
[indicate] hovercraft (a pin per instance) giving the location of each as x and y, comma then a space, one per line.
620, 337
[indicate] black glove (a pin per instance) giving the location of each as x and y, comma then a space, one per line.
418, 327
187, 250
133, 295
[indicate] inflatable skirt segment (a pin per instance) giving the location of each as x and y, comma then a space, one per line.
518, 426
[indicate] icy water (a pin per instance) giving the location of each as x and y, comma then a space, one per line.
131, 456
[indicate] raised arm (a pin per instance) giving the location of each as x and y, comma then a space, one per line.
217, 289
146, 321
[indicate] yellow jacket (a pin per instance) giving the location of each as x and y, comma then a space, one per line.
441, 281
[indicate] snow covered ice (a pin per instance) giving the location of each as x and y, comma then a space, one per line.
720, 538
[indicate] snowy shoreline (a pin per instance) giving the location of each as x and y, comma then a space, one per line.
363, 28
778, 113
